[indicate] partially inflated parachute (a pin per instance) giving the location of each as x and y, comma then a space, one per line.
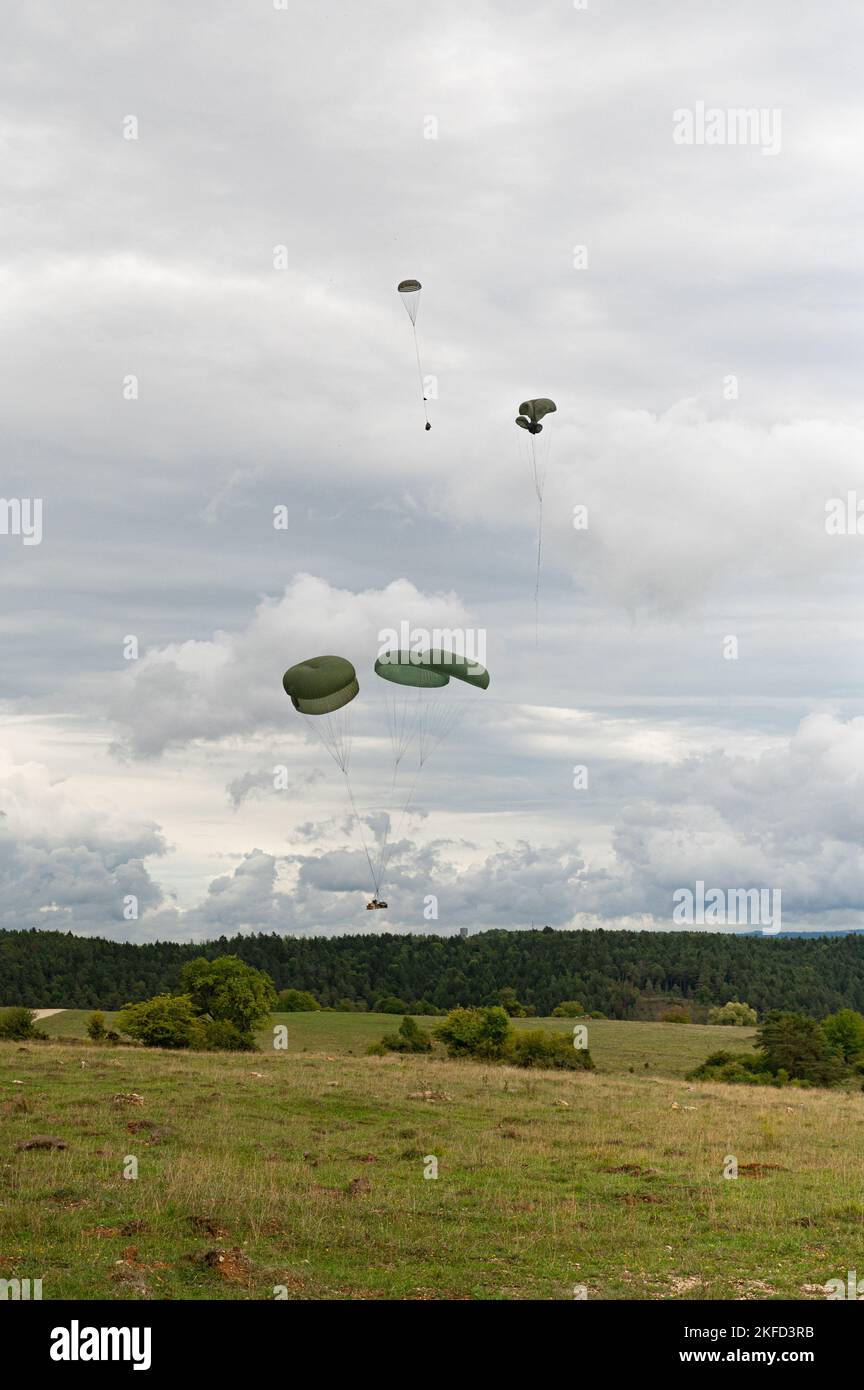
529, 418
532, 412
409, 293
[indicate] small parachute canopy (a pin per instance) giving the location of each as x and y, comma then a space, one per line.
321, 684
410, 292
532, 412
431, 669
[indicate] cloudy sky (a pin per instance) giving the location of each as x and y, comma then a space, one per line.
206, 211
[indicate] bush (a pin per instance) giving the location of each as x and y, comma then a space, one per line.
390, 1004
96, 1026
19, 1025
168, 1020
482, 1033
296, 1001
221, 1035
744, 1067
793, 1050
535, 1048
676, 1016
422, 1007
410, 1038
568, 1008
733, 1014
506, 997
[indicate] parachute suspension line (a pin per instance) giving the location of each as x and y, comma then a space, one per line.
436, 720
387, 848
420, 371
376, 883
401, 721
538, 475
539, 554
334, 731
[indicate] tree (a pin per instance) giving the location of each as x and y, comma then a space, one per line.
296, 1001
228, 990
798, 1046
506, 997
167, 1020
844, 1032
568, 1008
733, 1014
19, 1025
96, 1027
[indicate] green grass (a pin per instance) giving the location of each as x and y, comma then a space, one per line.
546, 1180
670, 1049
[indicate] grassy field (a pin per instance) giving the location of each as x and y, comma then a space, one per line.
303, 1172
669, 1049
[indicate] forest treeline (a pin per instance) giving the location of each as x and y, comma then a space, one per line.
623, 974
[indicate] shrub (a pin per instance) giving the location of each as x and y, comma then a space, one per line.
535, 1048
733, 1067
423, 1007
733, 1014
168, 1020
482, 1033
410, 1038
19, 1025
568, 1008
506, 997
96, 1026
390, 1004
221, 1035
676, 1016
296, 1001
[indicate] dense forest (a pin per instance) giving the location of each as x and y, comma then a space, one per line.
624, 974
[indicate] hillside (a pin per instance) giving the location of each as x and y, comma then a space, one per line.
620, 973
303, 1173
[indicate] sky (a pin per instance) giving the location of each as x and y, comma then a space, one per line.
209, 397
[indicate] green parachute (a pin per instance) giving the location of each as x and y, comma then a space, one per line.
529, 417
409, 292
321, 684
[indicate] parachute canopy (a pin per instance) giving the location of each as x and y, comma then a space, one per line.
532, 412
321, 684
430, 669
